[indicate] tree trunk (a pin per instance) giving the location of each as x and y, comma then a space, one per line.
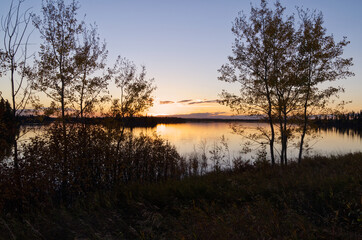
14, 131
82, 96
281, 136
305, 115
270, 116
65, 144
14, 112
303, 131
285, 140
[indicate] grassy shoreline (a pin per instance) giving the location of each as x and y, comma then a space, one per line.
319, 199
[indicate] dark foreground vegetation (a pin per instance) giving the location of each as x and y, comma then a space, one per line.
317, 199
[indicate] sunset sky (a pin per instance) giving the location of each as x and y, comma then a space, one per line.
183, 43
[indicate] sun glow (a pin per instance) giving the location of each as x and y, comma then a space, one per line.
158, 114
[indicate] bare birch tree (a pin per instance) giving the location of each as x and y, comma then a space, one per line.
15, 27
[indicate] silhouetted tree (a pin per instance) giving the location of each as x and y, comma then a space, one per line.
55, 71
260, 48
14, 56
284, 84
14, 63
135, 91
280, 70
90, 60
320, 59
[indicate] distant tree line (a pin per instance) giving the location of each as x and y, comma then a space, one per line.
350, 120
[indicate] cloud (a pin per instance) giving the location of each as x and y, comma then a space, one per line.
202, 115
204, 101
166, 102
217, 115
189, 101
185, 101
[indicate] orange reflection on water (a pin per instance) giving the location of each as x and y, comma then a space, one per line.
188, 137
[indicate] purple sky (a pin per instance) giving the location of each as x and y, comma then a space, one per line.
184, 43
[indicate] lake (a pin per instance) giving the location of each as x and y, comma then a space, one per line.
194, 137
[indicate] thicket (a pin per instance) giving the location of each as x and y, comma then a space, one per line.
96, 160
7, 128
317, 199
99, 157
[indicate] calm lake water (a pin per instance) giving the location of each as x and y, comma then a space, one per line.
194, 137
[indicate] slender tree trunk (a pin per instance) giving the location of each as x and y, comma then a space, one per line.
305, 116
81, 107
304, 130
270, 116
14, 112
282, 137
65, 144
272, 138
13, 87
285, 140
14, 131
82, 96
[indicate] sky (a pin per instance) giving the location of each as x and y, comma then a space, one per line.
184, 43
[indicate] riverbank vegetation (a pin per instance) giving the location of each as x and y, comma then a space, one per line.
318, 199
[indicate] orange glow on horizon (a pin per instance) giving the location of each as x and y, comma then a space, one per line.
197, 107
158, 114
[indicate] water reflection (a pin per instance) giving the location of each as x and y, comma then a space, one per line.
189, 137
